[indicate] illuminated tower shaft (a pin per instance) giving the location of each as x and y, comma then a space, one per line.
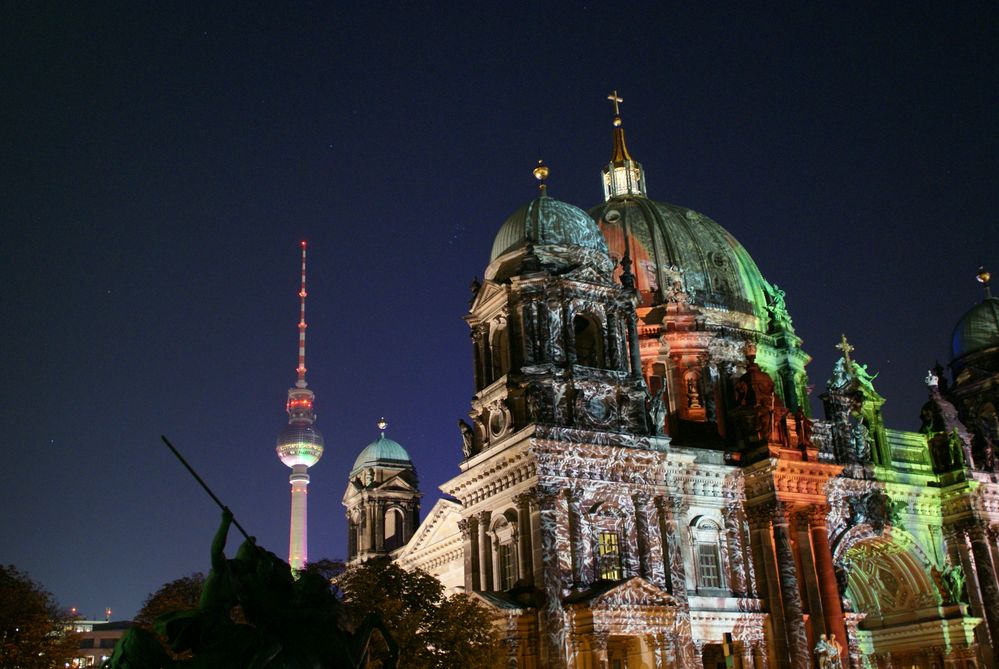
298, 542
300, 445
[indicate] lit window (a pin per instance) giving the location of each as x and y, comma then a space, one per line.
609, 553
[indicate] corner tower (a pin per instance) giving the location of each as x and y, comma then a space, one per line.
382, 499
300, 445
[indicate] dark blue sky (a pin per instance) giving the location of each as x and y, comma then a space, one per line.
160, 164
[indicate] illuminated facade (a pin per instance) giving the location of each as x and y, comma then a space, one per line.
642, 484
300, 445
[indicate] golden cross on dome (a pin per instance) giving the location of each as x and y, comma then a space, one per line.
613, 97
845, 346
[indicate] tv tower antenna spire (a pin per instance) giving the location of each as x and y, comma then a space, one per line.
300, 444
301, 328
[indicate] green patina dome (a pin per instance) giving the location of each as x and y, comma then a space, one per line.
669, 243
977, 330
382, 452
545, 221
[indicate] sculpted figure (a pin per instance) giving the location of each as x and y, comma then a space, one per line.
954, 578
657, 410
861, 441
467, 437
827, 652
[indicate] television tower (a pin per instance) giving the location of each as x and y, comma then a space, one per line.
300, 445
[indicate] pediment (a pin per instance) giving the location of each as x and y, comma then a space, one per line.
635, 592
397, 483
440, 525
586, 274
487, 292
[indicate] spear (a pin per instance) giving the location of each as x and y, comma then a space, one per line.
203, 484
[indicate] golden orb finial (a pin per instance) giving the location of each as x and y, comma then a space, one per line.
983, 276
541, 172
382, 423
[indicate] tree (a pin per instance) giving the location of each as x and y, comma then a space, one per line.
432, 631
34, 632
181, 594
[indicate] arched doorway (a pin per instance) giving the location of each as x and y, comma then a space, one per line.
906, 621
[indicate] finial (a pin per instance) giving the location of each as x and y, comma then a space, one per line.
845, 347
301, 328
983, 278
541, 172
382, 424
620, 154
617, 100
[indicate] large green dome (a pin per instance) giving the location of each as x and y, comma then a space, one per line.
382, 452
545, 221
977, 330
669, 243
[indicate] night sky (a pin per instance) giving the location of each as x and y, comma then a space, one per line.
161, 164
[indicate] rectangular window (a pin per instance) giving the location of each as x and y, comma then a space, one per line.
609, 554
507, 576
708, 564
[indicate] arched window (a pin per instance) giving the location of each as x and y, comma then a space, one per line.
589, 341
706, 535
394, 529
504, 532
499, 345
609, 533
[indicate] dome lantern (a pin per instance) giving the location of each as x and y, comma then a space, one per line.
623, 175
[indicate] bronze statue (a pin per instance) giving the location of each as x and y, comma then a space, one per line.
253, 614
289, 624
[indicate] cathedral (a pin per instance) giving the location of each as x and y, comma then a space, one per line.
643, 484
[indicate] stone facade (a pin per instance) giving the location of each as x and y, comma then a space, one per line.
641, 483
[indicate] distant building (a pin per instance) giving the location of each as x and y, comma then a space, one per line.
642, 484
97, 640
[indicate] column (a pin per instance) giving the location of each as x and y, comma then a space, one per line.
746, 655
380, 526
682, 644
760, 655
734, 548
657, 644
470, 550
832, 604
959, 553
676, 580
599, 650
790, 594
642, 532
576, 539
986, 572
485, 552
556, 575
768, 583
524, 572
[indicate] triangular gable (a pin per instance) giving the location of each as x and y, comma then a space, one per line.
636, 591
586, 275
487, 291
397, 483
439, 525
